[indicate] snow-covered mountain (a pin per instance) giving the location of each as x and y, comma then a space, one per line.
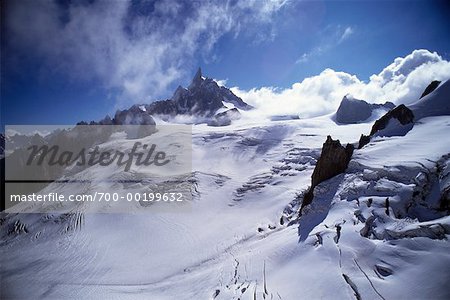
377, 228
135, 115
400, 120
18, 141
204, 101
203, 97
435, 103
352, 110
431, 87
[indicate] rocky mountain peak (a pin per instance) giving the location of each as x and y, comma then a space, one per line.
179, 92
203, 97
197, 80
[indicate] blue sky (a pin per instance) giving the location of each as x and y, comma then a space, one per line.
63, 62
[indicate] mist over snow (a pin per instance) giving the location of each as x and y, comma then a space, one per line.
403, 81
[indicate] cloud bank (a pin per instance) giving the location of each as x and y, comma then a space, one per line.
403, 81
135, 47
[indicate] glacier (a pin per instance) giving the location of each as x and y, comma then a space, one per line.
379, 230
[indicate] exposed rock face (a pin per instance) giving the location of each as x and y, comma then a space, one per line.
284, 117
2, 183
2, 144
443, 172
430, 88
400, 120
135, 115
363, 140
106, 121
203, 97
19, 141
434, 104
403, 114
164, 107
353, 110
333, 160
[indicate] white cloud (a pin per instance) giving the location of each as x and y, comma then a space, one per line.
304, 58
137, 49
401, 82
346, 34
331, 37
221, 82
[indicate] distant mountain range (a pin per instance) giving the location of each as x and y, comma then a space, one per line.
203, 98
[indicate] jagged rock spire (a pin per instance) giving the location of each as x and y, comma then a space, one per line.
199, 73
333, 160
197, 80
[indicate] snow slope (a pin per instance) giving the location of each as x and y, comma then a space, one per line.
434, 104
240, 236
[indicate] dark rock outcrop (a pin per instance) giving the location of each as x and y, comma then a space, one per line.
135, 115
430, 88
2, 144
403, 114
363, 140
2, 184
434, 104
353, 110
404, 117
284, 117
333, 160
164, 107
